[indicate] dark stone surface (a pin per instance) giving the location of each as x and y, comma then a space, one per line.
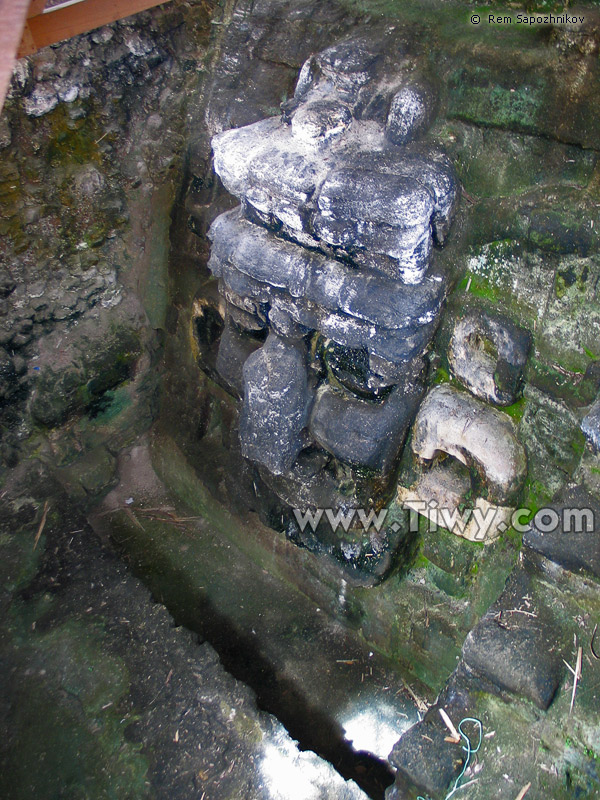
517, 646
424, 760
425, 165
8, 375
575, 544
348, 66
392, 346
409, 115
302, 172
235, 348
388, 202
368, 433
387, 214
265, 46
354, 370
276, 404
362, 294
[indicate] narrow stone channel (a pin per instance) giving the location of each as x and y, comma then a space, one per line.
332, 693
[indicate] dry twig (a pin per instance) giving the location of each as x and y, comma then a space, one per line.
455, 735
523, 792
42, 524
576, 676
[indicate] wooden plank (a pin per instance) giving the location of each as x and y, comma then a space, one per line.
27, 46
36, 7
64, 23
13, 14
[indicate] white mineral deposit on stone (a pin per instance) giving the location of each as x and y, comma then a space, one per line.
289, 774
453, 422
374, 727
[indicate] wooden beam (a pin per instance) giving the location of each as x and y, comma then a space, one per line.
13, 14
36, 7
54, 25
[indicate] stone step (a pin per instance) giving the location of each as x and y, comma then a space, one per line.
515, 644
574, 544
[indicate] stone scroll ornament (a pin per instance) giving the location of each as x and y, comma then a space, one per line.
330, 256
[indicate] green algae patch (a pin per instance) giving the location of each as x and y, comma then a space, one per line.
154, 289
495, 163
99, 365
475, 96
516, 410
67, 732
554, 444
518, 281
71, 141
568, 334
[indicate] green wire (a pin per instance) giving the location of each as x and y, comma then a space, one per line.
469, 750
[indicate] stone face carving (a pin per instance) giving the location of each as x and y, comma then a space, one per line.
450, 421
330, 252
328, 175
483, 440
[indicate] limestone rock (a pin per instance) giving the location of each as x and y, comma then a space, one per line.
450, 421
398, 346
354, 370
487, 354
409, 114
440, 494
41, 101
575, 543
363, 432
276, 405
425, 166
517, 652
5, 133
591, 426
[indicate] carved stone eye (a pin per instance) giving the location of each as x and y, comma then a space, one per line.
321, 122
487, 353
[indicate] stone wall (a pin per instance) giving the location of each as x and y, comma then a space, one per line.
511, 107
109, 193
110, 318
93, 138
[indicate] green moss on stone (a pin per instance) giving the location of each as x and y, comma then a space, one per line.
475, 95
70, 720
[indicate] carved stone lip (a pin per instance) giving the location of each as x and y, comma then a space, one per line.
453, 422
